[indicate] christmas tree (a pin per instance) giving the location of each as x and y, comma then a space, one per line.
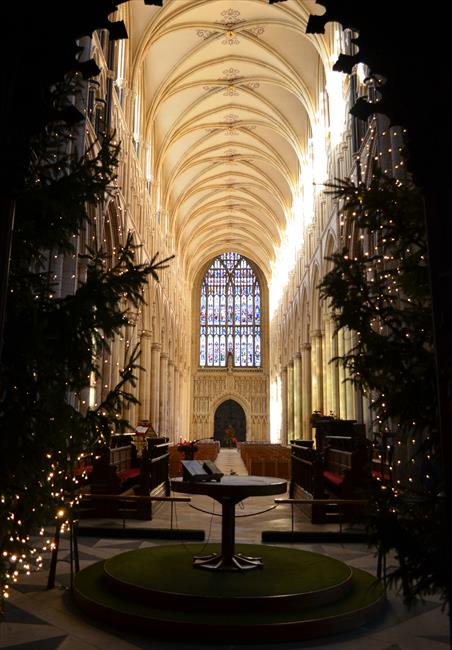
379, 288
53, 340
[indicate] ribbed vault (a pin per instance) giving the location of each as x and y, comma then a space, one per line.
228, 93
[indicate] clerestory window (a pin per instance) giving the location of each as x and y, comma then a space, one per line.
230, 313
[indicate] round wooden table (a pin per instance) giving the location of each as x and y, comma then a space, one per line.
229, 491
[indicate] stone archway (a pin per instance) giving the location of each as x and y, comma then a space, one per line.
229, 416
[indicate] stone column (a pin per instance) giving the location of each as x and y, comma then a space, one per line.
177, 405
290, 403
120, 360
297, 411
316, 370
163, 394
186, 401
155, 385
107, 376
111, 363
334, 373
284, 407
342, 375
144, 392
306, 394
358, 406
358, 396
170, 409
367, 415
349, 387
327, 368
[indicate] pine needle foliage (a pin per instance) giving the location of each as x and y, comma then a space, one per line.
53, 342
378, 287
380, 290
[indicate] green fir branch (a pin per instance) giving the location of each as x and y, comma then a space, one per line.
380, 291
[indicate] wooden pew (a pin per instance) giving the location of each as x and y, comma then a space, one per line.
338, 466
307, 469
265, 459
122, 506
154, 474
326, 427
114, 469
307, 478
117, 471
346, 473
83, 467
114, 506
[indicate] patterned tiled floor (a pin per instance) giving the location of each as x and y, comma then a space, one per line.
40, 619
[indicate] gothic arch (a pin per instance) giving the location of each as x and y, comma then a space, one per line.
156, 317
330, 248
306, 316
316, 316
264, 302
297, 327
236, 398
172, 338
164, 329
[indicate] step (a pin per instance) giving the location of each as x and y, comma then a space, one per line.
297, 595
289, 579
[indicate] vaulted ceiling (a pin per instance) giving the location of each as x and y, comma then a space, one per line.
229, 92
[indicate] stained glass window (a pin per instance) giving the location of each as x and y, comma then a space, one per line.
230, 313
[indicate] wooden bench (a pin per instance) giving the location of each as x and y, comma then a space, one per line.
345, 450
265, 459
122, 506
154, 474
114, 469
114, 506
338, 467
328, 427
307, 469
347, 476
83, 467
307, 478
346, 472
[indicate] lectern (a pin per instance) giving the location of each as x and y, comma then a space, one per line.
194, 470
229, 491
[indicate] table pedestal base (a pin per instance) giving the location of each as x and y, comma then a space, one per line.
218, 562
228, 492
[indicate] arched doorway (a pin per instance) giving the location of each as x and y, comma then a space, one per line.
229, 422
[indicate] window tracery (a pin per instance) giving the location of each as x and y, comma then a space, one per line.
230, 313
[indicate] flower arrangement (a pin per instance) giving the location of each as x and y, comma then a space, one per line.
187, 448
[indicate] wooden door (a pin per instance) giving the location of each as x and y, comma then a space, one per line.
229, 423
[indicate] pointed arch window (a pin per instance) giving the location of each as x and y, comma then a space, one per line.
230, 313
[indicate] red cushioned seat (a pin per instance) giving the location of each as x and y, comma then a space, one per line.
78, 471
337, 479
128, 473
377, 475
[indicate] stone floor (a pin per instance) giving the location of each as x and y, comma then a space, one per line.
41, 619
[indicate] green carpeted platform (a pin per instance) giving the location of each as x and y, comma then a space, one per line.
296, 595
290, 576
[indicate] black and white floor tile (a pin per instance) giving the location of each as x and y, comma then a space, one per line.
41, 619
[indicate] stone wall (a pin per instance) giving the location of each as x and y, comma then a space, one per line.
247, 386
